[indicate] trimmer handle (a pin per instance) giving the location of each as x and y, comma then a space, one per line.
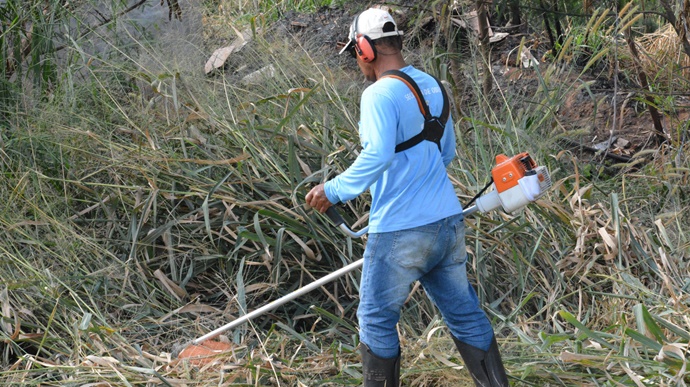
334, 216
339, 222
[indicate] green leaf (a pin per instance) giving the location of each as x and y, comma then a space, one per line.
295, 225
300, 337
204, 206
642, 339
295, 109
673, 328
645, 321
551, 339
324, 313
596, 336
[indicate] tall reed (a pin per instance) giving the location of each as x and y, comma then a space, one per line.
149, 204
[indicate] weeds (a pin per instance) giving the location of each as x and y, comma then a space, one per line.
148, 205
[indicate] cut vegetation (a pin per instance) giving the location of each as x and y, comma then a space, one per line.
147, 202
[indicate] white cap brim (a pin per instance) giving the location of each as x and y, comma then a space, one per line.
348, 46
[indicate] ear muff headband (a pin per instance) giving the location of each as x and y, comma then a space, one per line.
364, 47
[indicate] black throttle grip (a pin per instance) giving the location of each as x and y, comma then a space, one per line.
334, 216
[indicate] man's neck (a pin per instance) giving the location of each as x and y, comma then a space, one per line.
387, 63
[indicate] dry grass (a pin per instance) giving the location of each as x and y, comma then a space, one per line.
150, 205
663, 54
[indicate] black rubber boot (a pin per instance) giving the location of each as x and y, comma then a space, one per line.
486, 367
379, 372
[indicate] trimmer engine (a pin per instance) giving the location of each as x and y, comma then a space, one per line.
517, 181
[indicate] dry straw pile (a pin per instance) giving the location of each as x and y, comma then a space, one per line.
662, 55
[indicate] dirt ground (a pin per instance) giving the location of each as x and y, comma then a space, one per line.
625, 127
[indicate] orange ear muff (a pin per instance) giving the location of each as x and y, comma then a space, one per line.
365, 48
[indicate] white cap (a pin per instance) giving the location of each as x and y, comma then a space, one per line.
370, 23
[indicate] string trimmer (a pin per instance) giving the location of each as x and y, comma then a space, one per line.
516, 182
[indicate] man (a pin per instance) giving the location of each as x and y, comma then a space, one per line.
416, 229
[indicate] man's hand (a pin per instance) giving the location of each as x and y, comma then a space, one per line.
317, 199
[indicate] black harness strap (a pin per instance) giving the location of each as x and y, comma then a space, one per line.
433, 126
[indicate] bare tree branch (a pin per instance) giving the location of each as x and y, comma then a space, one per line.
649, 101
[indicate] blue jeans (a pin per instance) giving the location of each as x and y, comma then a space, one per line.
435, 255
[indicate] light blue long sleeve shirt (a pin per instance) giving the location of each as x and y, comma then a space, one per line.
410, 188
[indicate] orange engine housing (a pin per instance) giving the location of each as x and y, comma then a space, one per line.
509, 170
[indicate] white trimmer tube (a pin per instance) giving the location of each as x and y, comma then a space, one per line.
513, 199
526, 191
489, 201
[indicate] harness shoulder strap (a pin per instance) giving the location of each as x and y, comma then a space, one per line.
433, 126
412, 85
